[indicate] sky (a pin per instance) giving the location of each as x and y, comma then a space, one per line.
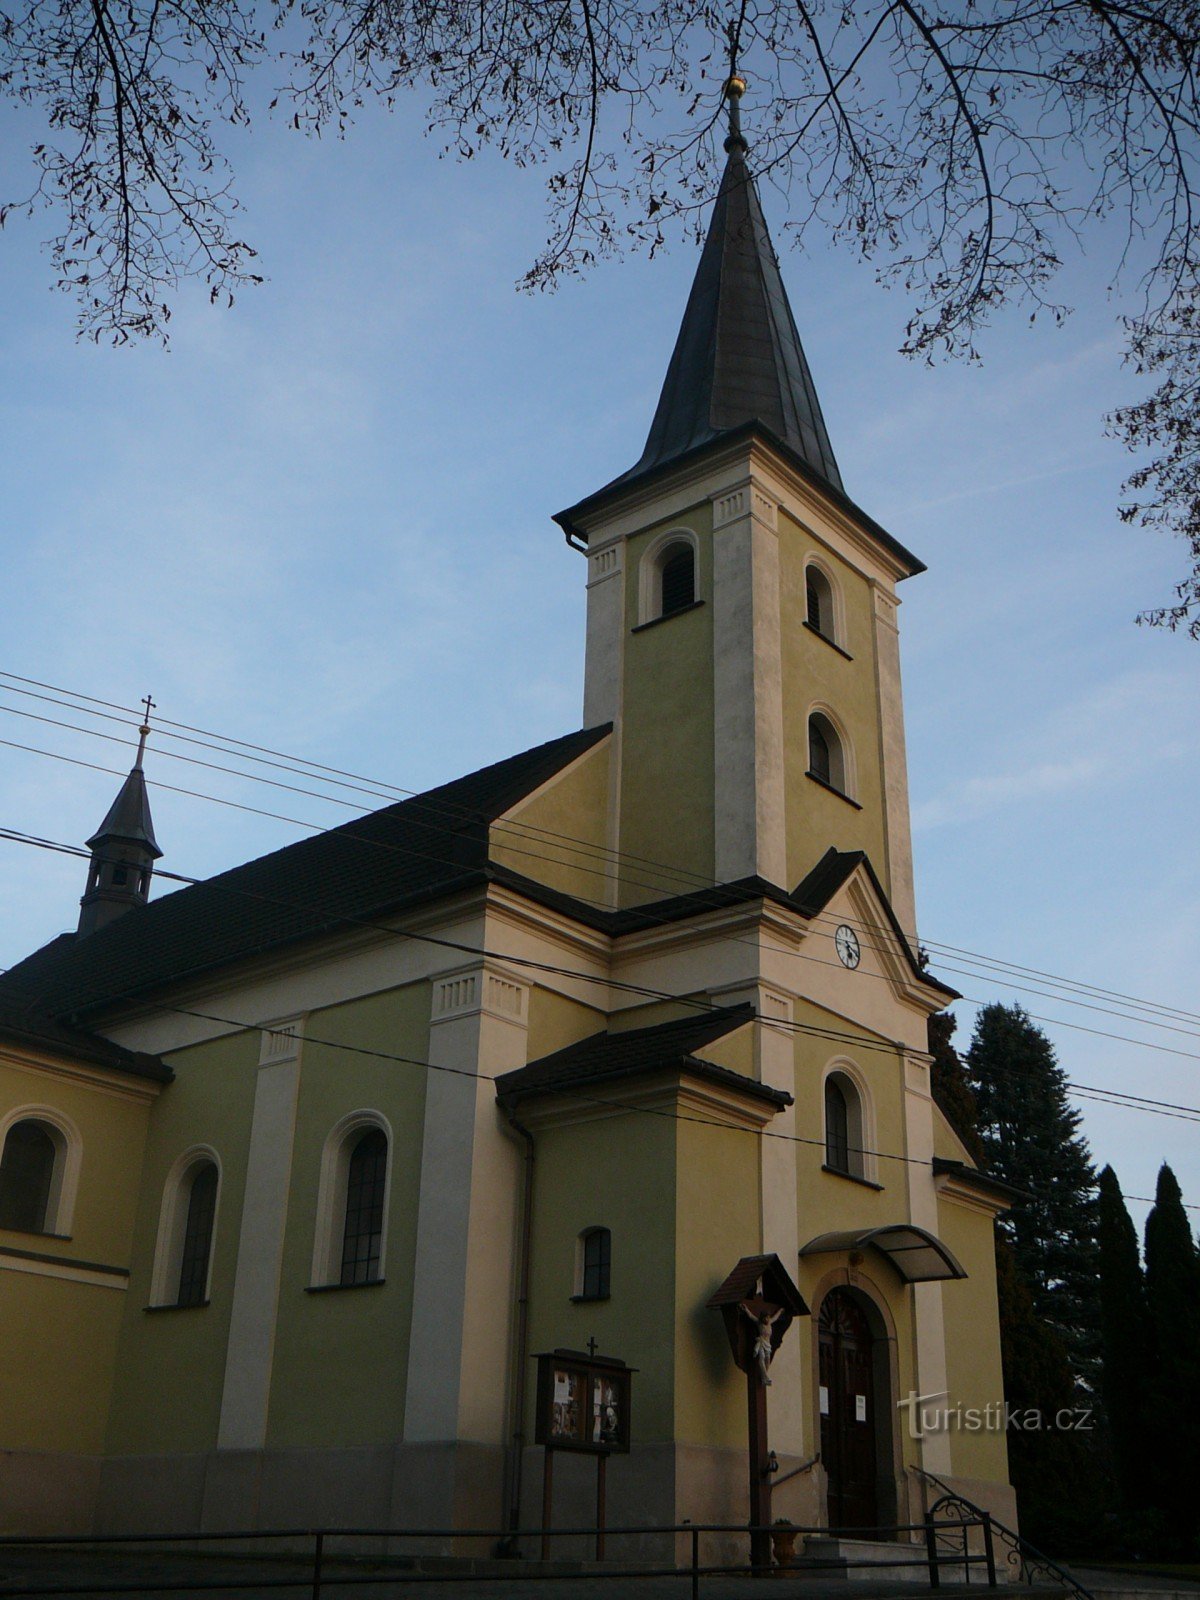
320, 522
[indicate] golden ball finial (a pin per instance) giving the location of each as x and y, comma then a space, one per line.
735, 86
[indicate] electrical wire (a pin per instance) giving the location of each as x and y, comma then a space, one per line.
1180, 1113
992, 965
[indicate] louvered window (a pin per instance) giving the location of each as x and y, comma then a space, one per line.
814, 604
197, 1237
678, 579
366, 1180
26, 1175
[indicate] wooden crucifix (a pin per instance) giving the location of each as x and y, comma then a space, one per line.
758, 1302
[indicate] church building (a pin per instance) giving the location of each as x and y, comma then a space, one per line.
304, 1165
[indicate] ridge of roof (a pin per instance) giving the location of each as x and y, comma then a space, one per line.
632, 1052
432, 844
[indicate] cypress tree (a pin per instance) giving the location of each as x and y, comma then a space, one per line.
1173, 1303
1031, 1137
948, 1083
1123, 1333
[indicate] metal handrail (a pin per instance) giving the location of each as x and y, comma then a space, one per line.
1026, 1559
317, 1563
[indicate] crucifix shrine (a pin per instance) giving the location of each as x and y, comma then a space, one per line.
758, 1302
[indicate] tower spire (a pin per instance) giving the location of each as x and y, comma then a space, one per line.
738, 360
123, 848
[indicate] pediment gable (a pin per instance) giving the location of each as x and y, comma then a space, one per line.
843, 895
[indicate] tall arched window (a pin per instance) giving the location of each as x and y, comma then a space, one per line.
366, 1184
187, 1224
196, 1251
819, 602
350, 1242
593, 1267
848, 1125
27, 1176
837, 1127
826, 753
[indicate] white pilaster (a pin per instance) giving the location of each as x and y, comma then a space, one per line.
246, 1395
469, 1193
605, 635
749, 819
895, 761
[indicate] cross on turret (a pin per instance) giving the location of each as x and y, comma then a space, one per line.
123, 848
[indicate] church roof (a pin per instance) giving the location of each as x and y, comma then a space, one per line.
738, 370
738, 358
129, 816
26, 1025
630, 1052
425, 847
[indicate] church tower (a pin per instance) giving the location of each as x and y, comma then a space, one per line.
124, 850
741, 631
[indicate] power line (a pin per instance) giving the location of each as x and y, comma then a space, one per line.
831, 1035
992, 964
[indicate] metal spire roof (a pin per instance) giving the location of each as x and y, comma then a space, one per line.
128, 817
738, 358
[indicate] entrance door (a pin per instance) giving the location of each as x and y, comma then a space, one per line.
848, 1412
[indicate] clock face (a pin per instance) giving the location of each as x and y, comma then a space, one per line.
846, 943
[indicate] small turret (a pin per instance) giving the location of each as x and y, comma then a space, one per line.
123, 848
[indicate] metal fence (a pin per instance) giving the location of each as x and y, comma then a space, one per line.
323, 1558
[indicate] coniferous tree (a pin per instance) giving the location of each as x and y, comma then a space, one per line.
1051, 1468
1123, 1332
1031, 1137
948, 1083
1173, 1304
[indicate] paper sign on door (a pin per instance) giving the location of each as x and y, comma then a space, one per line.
860, 1408
824, 1401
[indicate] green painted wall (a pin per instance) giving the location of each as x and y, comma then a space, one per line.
615, 1172
814, 670
171, 1364
717, 1222
341, 1357
667, 735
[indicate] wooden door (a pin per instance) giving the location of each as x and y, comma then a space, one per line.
848, 1448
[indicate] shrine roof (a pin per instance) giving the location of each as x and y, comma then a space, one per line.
632, 1052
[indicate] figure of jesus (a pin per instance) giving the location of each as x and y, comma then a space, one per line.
763, 1349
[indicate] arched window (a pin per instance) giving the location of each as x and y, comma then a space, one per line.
362, 1233
350, 1244
593, 1266
667, 581
826, 753
27, 1176
186, 1228
196, 1251
819, 600
678, 579
847, 1125
837, 1127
